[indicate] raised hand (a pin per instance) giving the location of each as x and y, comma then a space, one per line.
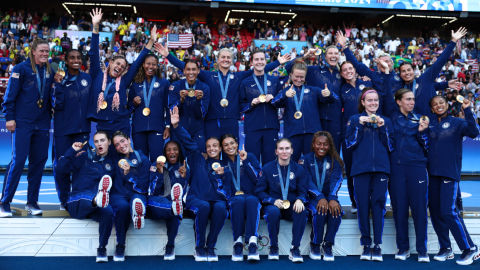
160, 166
341, 38
326, 92
285, 58
243, 153
183, 170
459, 34
455, 84
163, 51
77, 146
466, 103
174, 117
96, 15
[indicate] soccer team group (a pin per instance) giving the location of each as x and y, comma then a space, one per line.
393, 130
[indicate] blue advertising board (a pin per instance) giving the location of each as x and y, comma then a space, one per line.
286, 44
448, 5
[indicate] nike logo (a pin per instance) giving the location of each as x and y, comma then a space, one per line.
323, 71
275, 175
159, 133
253, 85
446, 182
215, 76
68, 85
421, 181
348, 91
383, 179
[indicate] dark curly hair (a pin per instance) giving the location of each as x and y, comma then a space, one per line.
140, 76
331, 147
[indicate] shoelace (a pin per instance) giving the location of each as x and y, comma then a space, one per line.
316, 248
238, 248
102, 251
200, 251
120, 249
252, 248
367, 249
168, 249
296, 252
274, 250
327, 248
211, 252
443, 251
377, 251
465, 253
35, 205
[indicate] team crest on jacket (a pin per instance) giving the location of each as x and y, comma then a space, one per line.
156, 84
361, 87
47, 76
108, 167
307, 91
446, 125
397, 78
292, 175
268, 83
177, 174
327, 166
84, 82
231, 76
134, 161
338, 76
171, 87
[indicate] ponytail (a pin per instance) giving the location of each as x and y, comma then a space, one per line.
35, 44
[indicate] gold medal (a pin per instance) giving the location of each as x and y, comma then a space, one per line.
373, 118
84, 143
146, 111
318, 52
215, 165
298, 115
103, 106
224, 102
262, 98
161, 159
191, 92
40, 103
286, 204
460, 98
424, 118
121, 162
239, 192
61, 72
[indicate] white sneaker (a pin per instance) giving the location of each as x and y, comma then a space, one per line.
103, 198
138, 210
176, 193
33, 209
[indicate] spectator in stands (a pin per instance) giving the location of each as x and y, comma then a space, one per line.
73, 26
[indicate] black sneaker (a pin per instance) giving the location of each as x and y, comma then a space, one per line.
273, 255
237, 255
377, 254
102, 254
169, 253
212, 257
200, 255
328, 252
315, 253
295, 255
119, 253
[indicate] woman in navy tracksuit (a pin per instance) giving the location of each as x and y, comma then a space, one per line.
408, 186
220, 120
318, 76
27, 111
91, 182
284, 201
148, 97
192, 109
261, 119
130, 188
324, 167
70, 95
350, 93
371, 142
108, 101
167, 182
444, 167
208, 192
304, 99
244, 205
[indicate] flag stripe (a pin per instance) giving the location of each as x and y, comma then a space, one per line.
176, 40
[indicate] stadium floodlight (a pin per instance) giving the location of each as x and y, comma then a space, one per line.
226, 17
134, 10
388, 19
273, 12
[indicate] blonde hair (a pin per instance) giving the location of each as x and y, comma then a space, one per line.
332, 47
35, 44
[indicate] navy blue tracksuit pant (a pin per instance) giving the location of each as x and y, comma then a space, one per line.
244, 209
60, 146
273, 215
318, 224
34, 145
150, 142
408, 187
371, 195
80, 206
219, 127
335, 129
159, 208
301, 143
262, 142
347, 160
442, 196
122, 208
203, 210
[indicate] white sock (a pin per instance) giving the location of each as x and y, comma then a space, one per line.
253, 239
239, 240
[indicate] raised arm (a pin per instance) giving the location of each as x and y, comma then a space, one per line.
94, 52
132, 71
469, 127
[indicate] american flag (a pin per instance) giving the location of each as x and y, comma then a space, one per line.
176, 40
473, 63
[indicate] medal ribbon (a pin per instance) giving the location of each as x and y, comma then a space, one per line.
284, 187
41, 87
236, 181
187, 86
298, 103
222, 87
320, 182
138, 158
65, 80
264, 84
148, 97
108, 88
